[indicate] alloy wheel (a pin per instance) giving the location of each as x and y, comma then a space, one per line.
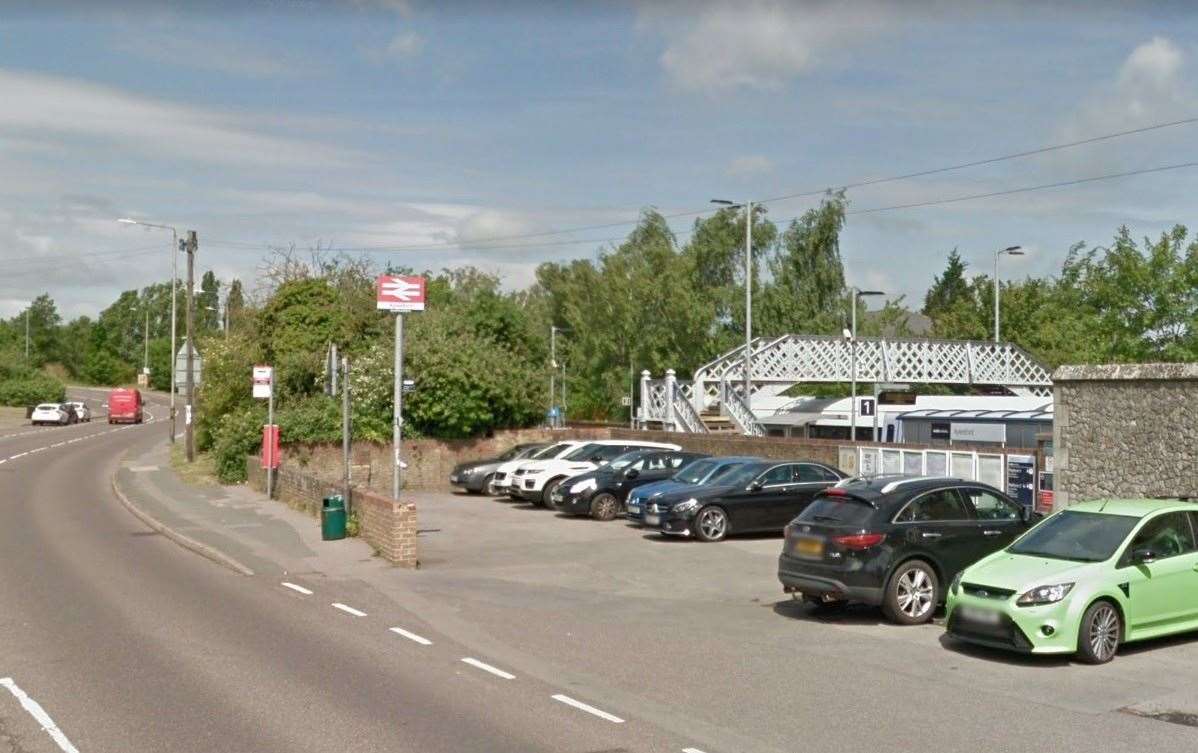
713, 524
915, 593
1104, 632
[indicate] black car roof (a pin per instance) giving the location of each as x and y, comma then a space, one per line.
877, 487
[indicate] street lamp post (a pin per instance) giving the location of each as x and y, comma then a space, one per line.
1009, 251
857, 293
174, 296
748, 205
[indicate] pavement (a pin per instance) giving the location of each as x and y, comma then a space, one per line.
523, 630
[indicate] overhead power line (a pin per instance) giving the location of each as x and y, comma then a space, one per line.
783, 197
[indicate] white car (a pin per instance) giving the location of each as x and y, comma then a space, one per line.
82, 411
506, 472
535, 480
49, 413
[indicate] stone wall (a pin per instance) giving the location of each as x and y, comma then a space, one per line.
389, 525
1125, 431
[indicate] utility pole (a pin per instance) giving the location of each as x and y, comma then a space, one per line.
333, 363
748, 301
397, 428
1009, 251
192, 244
146, 363
345, 429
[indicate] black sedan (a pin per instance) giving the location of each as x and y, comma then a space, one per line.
756, 497
894, 541
601, 493
476, 477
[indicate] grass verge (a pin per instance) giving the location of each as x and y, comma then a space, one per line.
200, 473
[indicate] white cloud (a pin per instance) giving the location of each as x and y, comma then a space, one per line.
406, 44
55, 110
760, 44
748, 166
488, 225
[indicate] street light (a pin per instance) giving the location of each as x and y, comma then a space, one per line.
174, 295
857, 293
748, 205
1009, 251
553, 330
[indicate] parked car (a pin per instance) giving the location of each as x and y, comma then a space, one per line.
50, 413
601, 493
1085, 580
476, 477
72, 414
539, 478
700, 473
756, 497
82, 411
506, 473
125, 406
895, 541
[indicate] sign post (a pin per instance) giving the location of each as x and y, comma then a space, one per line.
264, 388
400, 294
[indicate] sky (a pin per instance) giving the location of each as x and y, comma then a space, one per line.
433, 135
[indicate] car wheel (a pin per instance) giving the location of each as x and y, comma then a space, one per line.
912, 594
489, 485
1099, 634
605, 506
711, 524
547, 493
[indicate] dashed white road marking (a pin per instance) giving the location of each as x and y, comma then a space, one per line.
348, 609
58, 444
18, 455
488, 668
691, 750
38, 713
412, 636
297, 589
589, 709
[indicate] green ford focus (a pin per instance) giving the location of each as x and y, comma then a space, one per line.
1085, 580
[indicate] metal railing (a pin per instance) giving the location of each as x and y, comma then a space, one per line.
737, 409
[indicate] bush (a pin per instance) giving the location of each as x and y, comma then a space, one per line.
314, 419
236, 436
32, 388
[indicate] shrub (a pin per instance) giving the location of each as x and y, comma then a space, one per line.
31, 388
236, 436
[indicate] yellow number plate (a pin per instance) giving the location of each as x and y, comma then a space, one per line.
810, 547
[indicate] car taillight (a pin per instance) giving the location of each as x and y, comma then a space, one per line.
860, 541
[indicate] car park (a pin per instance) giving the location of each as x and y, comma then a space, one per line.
50, 413
756, 497
602, 493
1086, 580
537, 479
700, 473
505, 474
83, 412
478, 476
896, 542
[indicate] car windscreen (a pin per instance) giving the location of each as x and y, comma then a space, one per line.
841, 510
626, 459
584, 452
695, 472
1077, 536
512, 453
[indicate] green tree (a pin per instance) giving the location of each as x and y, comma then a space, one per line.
807, 292
207, 303
948, 288
235, 304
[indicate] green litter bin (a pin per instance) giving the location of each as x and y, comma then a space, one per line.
332, 518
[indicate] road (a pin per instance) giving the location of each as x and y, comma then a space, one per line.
128, 643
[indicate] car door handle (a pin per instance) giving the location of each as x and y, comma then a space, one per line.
992, 533
932, 535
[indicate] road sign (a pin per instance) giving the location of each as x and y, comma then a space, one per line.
181, 366
264, 377
867, 406
400, 293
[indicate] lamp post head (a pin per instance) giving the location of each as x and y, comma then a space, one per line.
127, 221
870, 292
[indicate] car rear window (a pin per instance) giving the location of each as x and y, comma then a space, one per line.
47, 406
837, 510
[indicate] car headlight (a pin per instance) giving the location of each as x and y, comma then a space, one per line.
956, 584
582, 486
689, 505
1045, 595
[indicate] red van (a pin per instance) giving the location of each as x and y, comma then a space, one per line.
124, 406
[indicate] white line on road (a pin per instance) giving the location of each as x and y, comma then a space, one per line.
589, 709
37, 712
348, 610
18, 455
412, 636
691, 750
58, 444
297, 589
488, 668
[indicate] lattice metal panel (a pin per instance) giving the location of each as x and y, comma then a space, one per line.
655, 410
685, 417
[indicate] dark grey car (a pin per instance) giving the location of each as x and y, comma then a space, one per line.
475, 477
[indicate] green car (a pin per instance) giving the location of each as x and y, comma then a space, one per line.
1085, 580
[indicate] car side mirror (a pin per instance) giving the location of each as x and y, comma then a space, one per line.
1143, 556
754, 486
631, 473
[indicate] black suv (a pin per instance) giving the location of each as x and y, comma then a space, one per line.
756, 497
895, 541
601, 493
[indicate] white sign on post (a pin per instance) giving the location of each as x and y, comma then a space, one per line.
263, 382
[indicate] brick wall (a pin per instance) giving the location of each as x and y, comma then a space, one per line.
388, 525
1127, 430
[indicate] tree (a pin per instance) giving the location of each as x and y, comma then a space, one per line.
208, 303
948, 288
234, 304
807, 293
